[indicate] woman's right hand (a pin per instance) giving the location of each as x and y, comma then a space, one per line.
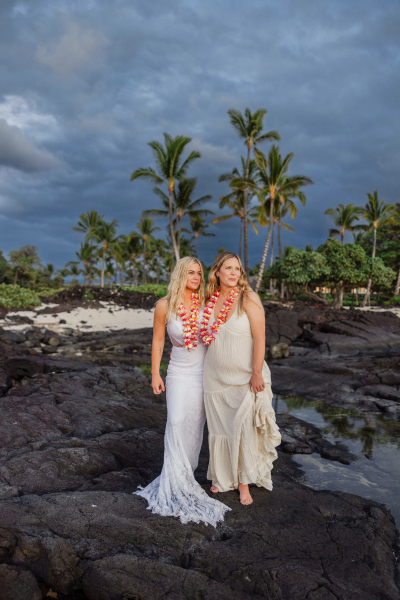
157, 384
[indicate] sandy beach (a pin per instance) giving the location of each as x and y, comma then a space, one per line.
107, 318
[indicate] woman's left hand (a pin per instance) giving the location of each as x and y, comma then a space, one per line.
257, 383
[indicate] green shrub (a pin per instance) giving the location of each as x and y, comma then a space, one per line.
88, 296
14, 296
159, 290
394, 300
303, 297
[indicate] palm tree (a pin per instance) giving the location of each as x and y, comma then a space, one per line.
199, 227
170, 168
358, 237
249, 127
377, 213
396, 221
119, 252
264, 215
133, 251
86, 256
273, 182
344, 217
87, 224
235, 200
286, 203
146, 229
73, 270
186, 247
182, 205
104, 233
159, 247
64, 272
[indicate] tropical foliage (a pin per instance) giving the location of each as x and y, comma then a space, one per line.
261, 192
15, 296
170, 168
249, 127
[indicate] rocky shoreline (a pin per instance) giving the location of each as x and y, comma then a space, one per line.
80, 429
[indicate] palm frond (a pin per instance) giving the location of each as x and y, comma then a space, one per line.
238, 122
192, 156
148, 174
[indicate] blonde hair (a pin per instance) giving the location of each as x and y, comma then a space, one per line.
177, 286
213, 279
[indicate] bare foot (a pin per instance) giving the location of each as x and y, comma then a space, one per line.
214, 489
245, 497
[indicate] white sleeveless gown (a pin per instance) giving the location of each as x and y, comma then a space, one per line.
175, 492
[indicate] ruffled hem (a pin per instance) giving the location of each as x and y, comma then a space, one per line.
194, 506
269, 438
225, 450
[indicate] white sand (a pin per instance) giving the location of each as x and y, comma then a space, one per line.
96, 319
395, 310
101, 319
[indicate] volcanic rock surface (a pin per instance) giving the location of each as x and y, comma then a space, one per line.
77, 438
343, 358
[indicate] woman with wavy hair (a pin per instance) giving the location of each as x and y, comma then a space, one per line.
175, 492
243, 434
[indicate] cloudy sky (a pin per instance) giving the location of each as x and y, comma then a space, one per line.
85, 84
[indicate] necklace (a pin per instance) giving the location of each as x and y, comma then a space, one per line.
190, 322
206, 337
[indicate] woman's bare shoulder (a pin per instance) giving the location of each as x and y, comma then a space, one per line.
161, 307
251, 298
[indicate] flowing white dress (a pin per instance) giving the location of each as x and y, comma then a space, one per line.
175, 492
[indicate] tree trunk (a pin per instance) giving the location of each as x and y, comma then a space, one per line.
240, 238
171, 225
196, 237
103, 260
338, 302
15, 277
158, 269
368, 292
135, 273
397, 286
265, 252
144, 263
282, 292
314, 297
245, 196
271, 260
179, 235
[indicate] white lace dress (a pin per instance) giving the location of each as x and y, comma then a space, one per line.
175, 492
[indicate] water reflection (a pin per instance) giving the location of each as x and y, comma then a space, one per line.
375, 441
345, 424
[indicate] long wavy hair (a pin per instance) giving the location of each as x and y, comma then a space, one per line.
177, 286
213, 279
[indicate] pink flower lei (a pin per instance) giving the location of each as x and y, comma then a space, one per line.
206, 337
190, 322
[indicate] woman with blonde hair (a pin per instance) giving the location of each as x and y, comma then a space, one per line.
241, 423
175, 492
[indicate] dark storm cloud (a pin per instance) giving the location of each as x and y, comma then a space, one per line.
89, 84
20, 153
